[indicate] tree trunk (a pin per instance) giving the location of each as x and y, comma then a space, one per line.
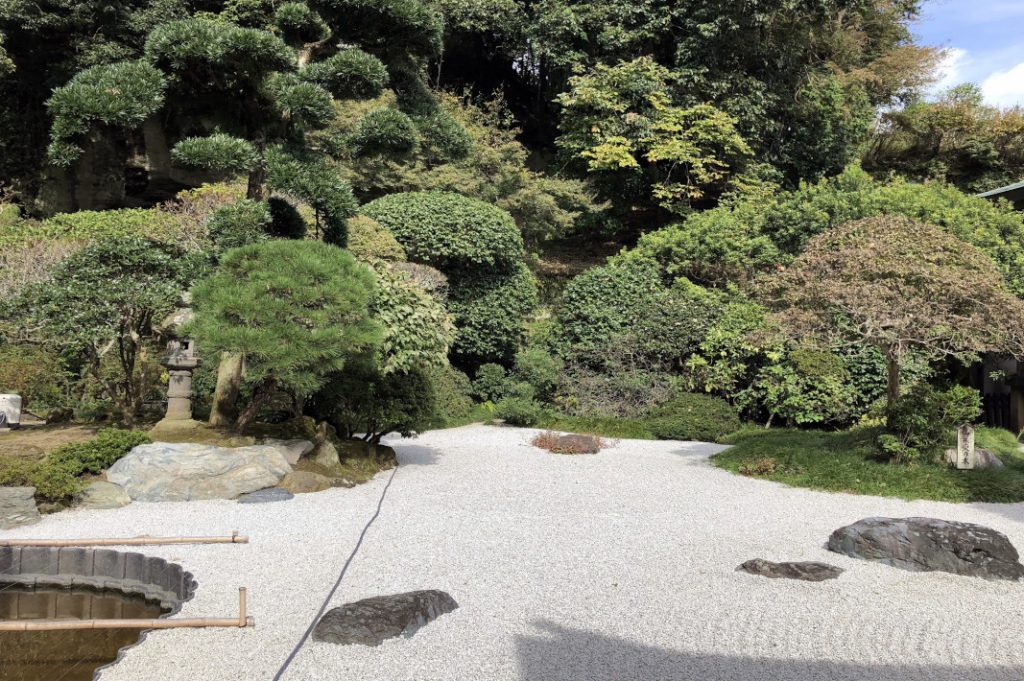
259, 396
229, 382
893, 365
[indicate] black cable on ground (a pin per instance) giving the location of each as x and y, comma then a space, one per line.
330, 595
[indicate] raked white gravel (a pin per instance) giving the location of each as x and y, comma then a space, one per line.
615, 567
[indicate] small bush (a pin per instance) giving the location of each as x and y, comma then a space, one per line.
97, 454
492, 383
920, 422
285, 220
692, 416
34, 373
766, 465
384, 132
239, 224
449, 231
369, 242
539, 368
519, 410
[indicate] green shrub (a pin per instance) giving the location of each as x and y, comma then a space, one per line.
370, 242
285, 220
239, 224
443, 138
449, 231
33, 372
97, 454
452, 389
96, 225
299, 24
492, 382
921, 422
384, 132
489, 309
362, 400
518, 410
417, 330
539, 368
692, 416
603, 302
349, 74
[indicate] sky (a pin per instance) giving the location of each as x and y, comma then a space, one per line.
984, 40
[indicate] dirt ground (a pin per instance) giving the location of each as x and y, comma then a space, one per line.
36, 441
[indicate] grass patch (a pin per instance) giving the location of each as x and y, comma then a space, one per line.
849, 462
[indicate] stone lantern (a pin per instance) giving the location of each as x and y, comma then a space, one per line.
181, 360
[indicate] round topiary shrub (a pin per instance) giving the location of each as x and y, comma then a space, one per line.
370, 242
285, 220
384, 132
350, 74
449, 231
489, 309
692, 416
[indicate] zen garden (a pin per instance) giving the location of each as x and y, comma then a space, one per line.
511, 340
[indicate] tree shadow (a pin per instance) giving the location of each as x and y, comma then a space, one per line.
563, 654
410, 454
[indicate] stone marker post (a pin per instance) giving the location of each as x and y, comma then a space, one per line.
965, 455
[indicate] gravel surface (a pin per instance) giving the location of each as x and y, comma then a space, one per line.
612, 567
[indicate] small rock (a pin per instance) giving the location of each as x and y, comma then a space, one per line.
374, 620
305, 482
266, 496
983, 459
102, 494
293, 449
184, 471
809, 571
17, 507
929, 544
326, 454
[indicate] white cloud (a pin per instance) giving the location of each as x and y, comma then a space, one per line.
950, 69
1005, 88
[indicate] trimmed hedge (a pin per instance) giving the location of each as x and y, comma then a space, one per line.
449, 231
370, 242
384, 132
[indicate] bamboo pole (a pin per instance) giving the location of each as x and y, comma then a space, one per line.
145, 540
240, 622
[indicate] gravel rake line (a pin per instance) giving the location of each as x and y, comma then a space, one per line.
344, 569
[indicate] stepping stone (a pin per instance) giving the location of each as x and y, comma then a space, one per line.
266, 496
808, 571
372, 621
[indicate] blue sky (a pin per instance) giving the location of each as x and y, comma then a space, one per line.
984, 40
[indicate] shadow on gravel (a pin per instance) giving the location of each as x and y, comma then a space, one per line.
698, 453
414, 455
563, 654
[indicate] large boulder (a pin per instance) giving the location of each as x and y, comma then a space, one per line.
808, 571
17, 507
184, 471
102, 494
929, 544
374, 620
305, 482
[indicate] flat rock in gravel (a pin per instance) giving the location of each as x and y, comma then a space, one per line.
17, 507
185, 471
809, 571
293, 449
372, 621
266, 496
577, 444
930, 544
103, 494
305, 482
